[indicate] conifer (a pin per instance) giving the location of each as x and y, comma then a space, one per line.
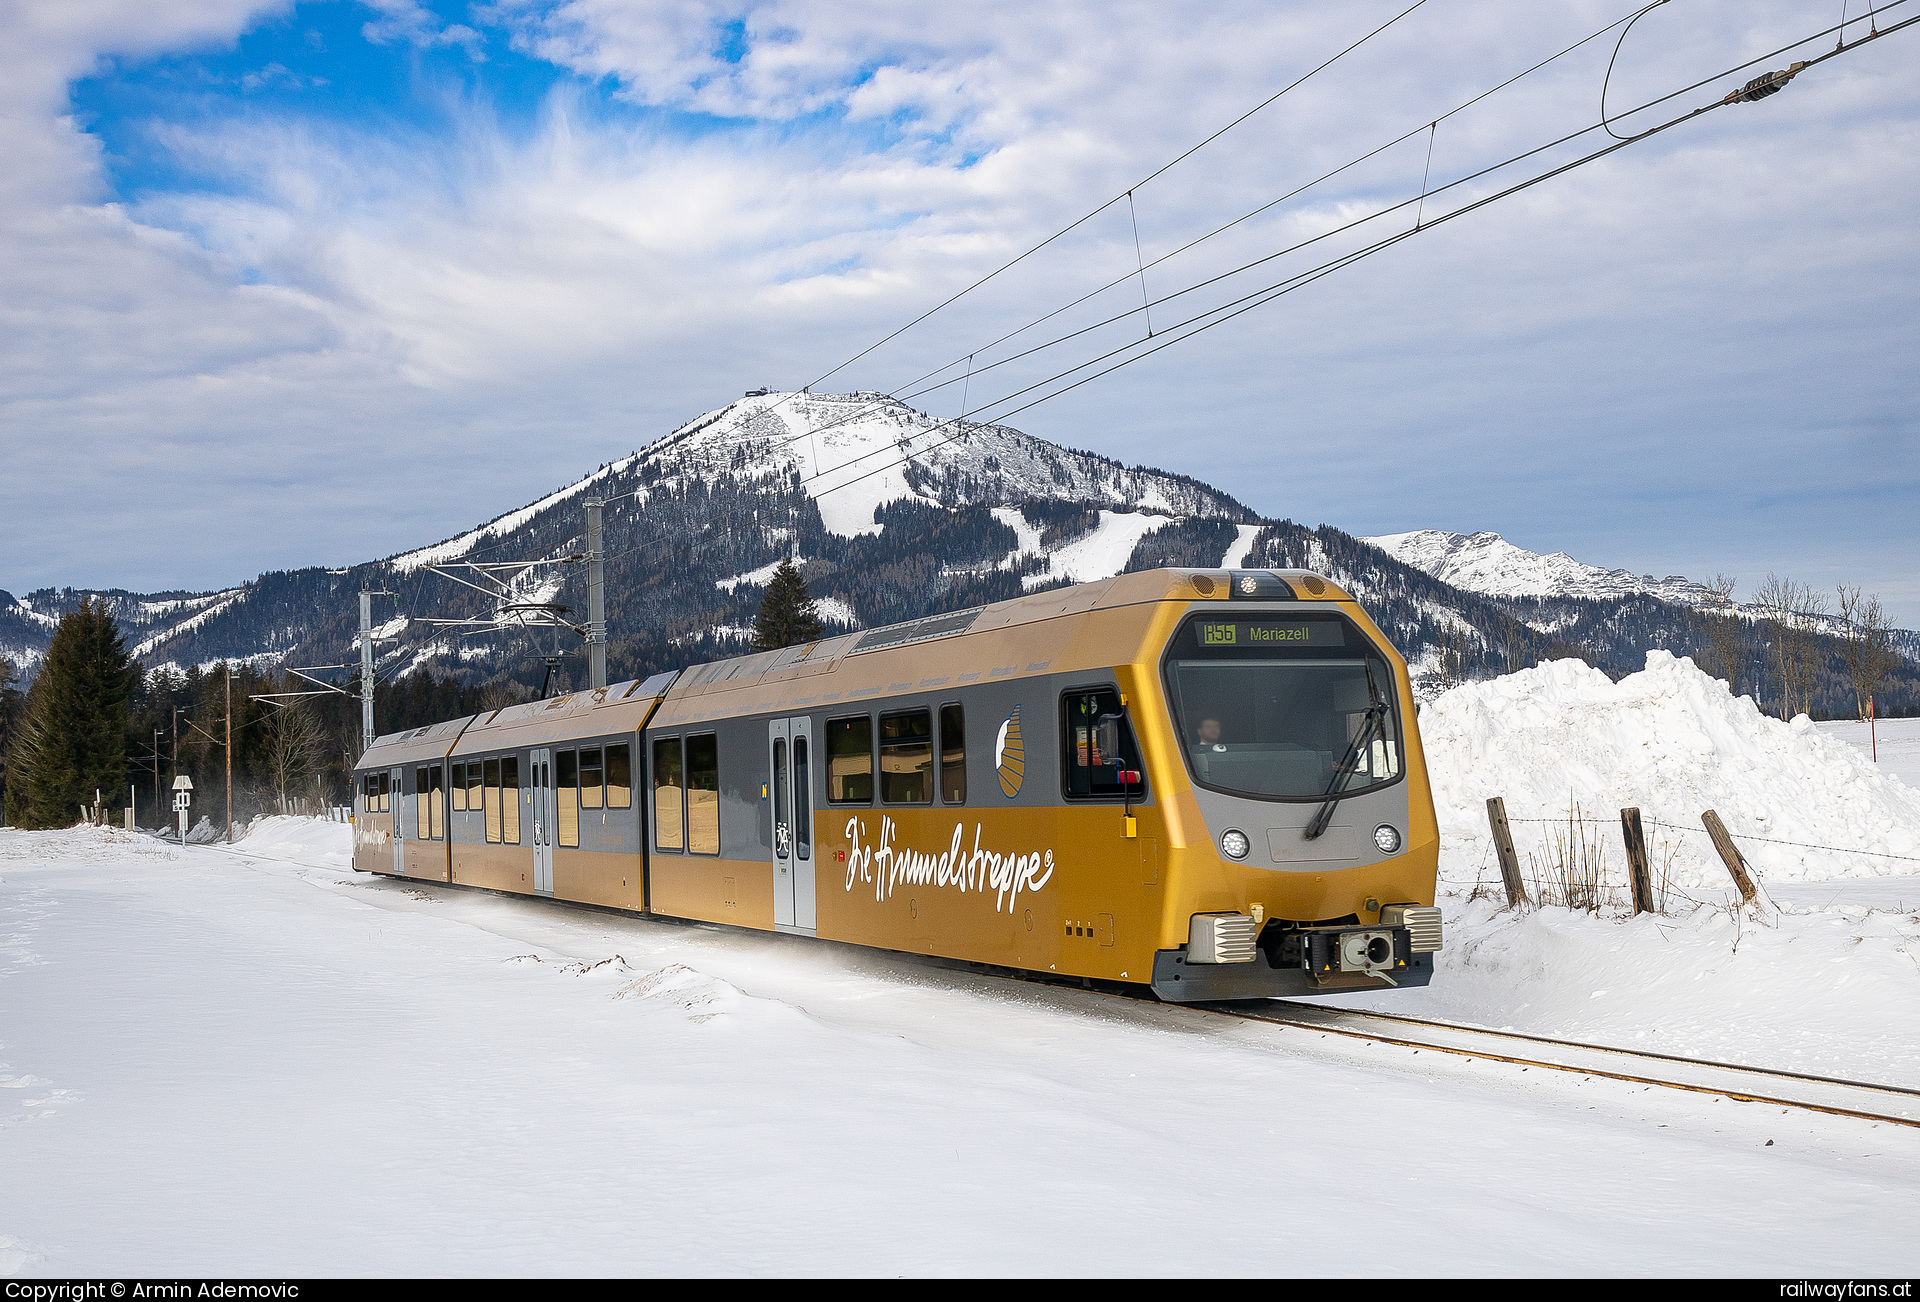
787, 616
74, 738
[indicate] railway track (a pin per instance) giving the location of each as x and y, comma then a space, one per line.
1863, 1100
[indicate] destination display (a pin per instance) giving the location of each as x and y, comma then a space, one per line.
1272, 632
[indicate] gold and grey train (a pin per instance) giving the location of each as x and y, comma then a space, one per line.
1209, 782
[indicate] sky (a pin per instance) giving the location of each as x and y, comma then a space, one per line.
285, 284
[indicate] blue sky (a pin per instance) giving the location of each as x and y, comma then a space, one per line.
314, 283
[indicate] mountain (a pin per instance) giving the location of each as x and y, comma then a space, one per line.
893, 514
1487, 563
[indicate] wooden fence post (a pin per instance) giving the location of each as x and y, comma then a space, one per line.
1730, 854
1637, 874
1503, 847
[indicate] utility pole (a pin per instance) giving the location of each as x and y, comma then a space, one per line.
157, 733
229, 665
366, 671
596, 597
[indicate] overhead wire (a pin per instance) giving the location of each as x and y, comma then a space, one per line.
1199, 323
910, 391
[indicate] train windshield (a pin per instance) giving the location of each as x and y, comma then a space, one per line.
1277, 707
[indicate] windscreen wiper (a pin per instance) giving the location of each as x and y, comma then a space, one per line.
1350, 762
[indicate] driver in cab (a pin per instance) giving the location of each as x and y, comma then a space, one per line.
1206, 743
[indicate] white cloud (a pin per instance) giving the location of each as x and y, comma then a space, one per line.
359, 339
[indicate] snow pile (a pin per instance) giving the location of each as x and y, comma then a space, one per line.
294, 838
1672, 741
1826, 990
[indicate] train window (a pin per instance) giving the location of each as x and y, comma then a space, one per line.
492, 789
592, 793
669, 821
802, 801
953, 755
906, 758
1098, 745
370, 795
619, 777
386, 792
703, 794
510, 799
437, 822
421, 802
567, 800
457, 787
474, 787
1283, 709
850, 759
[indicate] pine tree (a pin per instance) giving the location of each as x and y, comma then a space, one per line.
13, 705
787, 616
74, 739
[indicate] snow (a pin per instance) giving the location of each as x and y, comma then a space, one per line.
1028, 535
1489, 564
1899, 744
834, 610
219, 603
224, 1062
1242, 547
756, 578
1671, 741
501, 526
1100, 554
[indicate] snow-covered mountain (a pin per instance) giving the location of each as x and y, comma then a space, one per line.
1487, 563
893, 514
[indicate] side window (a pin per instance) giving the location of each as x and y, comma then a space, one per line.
474, 787
850, 759
703, 794
386, 795
370, 794
436, 803
492, 778
669, 823
802, 800
906, 758
1098, 745
592, 793
953, 755
457, 786
566, 797
619, 777
510, 799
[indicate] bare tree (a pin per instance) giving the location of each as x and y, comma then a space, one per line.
1794, 613
293, 744
1723, 629
1868, 643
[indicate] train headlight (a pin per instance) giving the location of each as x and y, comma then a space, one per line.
1387, 837
1234, 844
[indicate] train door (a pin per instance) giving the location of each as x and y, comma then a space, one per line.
790, 762
543, 821
397, 802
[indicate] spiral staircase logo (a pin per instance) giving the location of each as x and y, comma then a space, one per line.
1010, 755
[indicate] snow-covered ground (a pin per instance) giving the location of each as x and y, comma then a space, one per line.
253, 1060
216, 1061
1899, 744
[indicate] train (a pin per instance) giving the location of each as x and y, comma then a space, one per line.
1205, 782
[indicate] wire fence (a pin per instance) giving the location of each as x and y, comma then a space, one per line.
1738, 836
1572, 869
